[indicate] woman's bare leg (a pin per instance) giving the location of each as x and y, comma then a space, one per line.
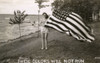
42, 37
46, 35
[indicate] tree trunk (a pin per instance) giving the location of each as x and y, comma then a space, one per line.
38, 21
19, 31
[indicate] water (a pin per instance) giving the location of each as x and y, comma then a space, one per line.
8, 31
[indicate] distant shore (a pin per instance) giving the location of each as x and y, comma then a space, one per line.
35, 34
6, 31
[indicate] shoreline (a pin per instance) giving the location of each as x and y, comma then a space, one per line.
35, 34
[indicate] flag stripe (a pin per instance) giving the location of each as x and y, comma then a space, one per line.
66, 25
80, 28
62, 28
56, 22
79, 21
70, 23
82, 34
77, 15
76, 36
55, 25
85, 27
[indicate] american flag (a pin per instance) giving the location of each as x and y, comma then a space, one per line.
70, 23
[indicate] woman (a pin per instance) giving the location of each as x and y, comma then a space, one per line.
44, 32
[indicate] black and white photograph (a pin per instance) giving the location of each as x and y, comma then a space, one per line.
49, 31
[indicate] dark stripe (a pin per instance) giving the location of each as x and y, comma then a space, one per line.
78, 29
88, 31
57, 16
50, 27
77, 16
61, 16
81, 20
79, 23
77, 35
63, 25
55, 25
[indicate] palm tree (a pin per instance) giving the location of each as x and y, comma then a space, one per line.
18, 19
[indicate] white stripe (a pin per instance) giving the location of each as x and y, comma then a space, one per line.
76, 24
70, 26
77, 15
75, 29
74, 35
80, 38
60, 25
79, 21
50, 25
80, 27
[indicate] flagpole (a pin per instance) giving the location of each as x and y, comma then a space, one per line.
40, 6
38, 21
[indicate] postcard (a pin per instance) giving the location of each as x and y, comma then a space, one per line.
49, 31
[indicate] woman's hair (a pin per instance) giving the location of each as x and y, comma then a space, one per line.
45, 15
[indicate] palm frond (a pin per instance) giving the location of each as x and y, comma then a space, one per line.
18, 17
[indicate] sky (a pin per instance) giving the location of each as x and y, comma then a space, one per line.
8, 6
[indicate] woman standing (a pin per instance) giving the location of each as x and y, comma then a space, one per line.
44, 32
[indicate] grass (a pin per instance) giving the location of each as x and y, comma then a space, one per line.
60, 46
